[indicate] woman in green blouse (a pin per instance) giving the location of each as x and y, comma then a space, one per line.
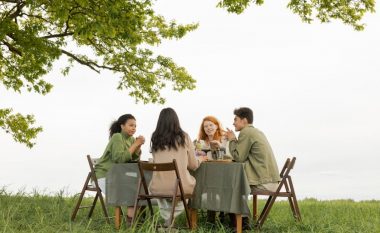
121, 148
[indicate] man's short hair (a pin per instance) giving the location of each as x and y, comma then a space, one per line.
244, 113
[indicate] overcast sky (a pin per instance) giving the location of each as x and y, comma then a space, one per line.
314, 90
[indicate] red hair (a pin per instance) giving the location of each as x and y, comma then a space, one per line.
219, 131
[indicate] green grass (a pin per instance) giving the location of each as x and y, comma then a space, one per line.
36, 212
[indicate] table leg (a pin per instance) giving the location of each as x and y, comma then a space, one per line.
193, 218
117, 217
254, 208
239, 223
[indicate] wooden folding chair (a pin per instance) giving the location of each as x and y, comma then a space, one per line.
159, 167
286, 181
88, 186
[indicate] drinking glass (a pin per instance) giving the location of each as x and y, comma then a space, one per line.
220, 154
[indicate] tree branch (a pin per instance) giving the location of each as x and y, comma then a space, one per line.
10, 1
19, 7
36, 16
12, 48
65, 33
11, 36
100, 47
58, 35
92, 65
80, 61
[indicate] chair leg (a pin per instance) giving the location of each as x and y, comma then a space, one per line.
93, 205
171, 219
290, 199
150, 207
265, 207
187, 213
74, 214
103, 206
265, 212
141, 211
291, 203
174, 203
135, 211
136, 202
297, 210
254, 208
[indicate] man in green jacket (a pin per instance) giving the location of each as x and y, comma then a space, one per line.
253, 149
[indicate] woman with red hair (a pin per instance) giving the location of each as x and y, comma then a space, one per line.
211, 134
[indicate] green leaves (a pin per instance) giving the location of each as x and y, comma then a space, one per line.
19, 126
349, 12
119, 35
34, 34
117, 31
234, 6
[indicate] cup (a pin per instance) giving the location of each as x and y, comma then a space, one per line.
222, 152
214, 154
217, 154
198, 145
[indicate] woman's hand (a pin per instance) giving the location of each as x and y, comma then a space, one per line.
140, 140
202, 158
200, 153
136, 146
215, 144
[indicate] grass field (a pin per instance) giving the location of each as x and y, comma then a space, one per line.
36, 212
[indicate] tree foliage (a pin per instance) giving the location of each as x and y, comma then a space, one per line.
349, 12
35, 33
19, 126
120, 35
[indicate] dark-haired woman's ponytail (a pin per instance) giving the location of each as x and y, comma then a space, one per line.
115, 128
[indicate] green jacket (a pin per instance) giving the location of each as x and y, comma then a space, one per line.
116, 152
252, 148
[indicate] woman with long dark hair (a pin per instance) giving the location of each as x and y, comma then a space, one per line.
121, 148
170, 142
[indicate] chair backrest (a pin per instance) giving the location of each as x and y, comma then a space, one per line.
284, 174
284, 167
146, 166
91, 164
289, 167
158, 167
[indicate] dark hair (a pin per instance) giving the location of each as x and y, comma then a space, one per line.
168, 132
246, 113
116, 125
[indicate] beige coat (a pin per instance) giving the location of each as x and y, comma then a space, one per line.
163, 182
